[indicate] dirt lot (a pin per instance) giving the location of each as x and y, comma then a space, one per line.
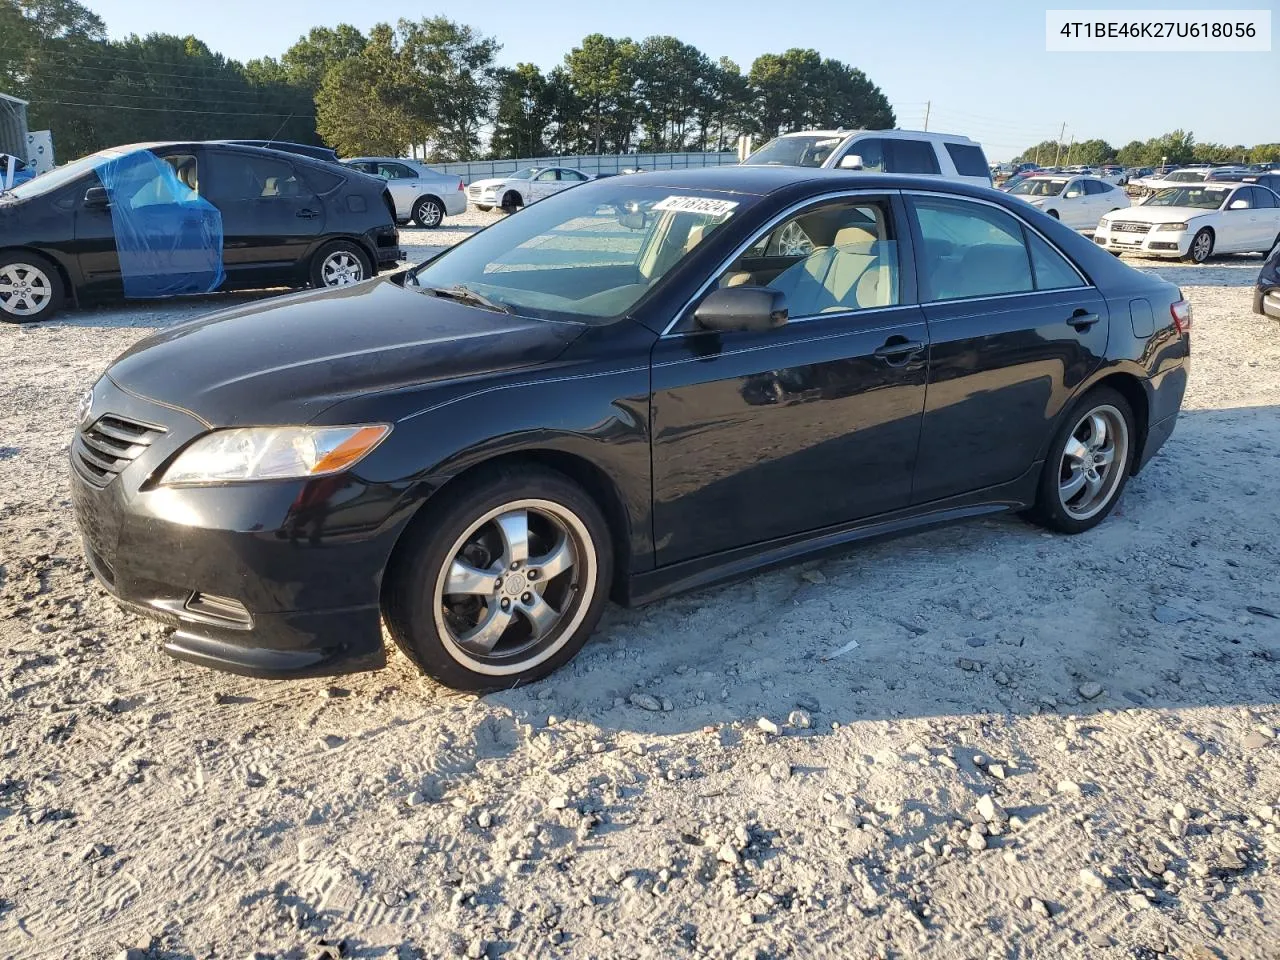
810, 783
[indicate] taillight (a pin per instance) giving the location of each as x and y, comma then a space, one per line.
461, 187
1180, 310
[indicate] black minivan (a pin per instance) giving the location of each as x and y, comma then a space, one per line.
158, 220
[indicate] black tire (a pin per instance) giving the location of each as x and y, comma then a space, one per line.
31, 288
350, 253
1049, 509
446, 529
1201, 248
428, 213
511, 202
484, 208
1054, 214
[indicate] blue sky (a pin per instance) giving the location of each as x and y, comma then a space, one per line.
983, 66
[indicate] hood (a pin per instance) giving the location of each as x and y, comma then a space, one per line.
286, 360
1145, 214
493, 182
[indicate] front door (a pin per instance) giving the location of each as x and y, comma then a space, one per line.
270, 217
1014, 328
545, 183
758, 435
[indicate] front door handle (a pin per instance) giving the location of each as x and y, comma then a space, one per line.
898, 351
1082, 320
307, 214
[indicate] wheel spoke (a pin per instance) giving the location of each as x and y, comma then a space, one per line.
485, 637
464, 578
514, 528
1075, 449
1071, 486
1092, 484
556, 562
1097, 431
541, 615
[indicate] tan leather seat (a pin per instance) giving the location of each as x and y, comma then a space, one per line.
856, 272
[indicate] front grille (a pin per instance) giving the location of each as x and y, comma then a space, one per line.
110, 444
1128, 226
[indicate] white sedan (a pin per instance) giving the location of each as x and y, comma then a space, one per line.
420, 194
1195, 221
523, 187
1076, 201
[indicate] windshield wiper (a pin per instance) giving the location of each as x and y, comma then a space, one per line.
464, 294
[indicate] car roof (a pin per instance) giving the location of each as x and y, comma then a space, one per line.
921, 134
764, 179
223, 144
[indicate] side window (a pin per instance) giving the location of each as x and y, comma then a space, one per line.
912, 156
241, 177
572, 176
1094, 187
322, 181
833, 258
1074, 189
546, 176
1265, 198
1245, 194
365, 167
969, 250
395, 171
1052, 271
871, 151
149, 185
970, 161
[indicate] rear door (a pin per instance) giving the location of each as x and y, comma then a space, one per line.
908, 155
1268, 216
270, 216
1013, 327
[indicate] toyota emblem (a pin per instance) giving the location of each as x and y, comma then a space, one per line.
86, 406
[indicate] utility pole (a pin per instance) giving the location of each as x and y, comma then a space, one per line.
1058, 153
1070, 147
928, 104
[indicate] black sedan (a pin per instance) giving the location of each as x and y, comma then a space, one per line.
643, 385
168, 219
1266, 294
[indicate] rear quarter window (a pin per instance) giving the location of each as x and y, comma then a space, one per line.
970, 161
320, 180
912, 156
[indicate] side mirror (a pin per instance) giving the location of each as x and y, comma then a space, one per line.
1072, 193
742, 308
1238, 205
851, 162
96, 197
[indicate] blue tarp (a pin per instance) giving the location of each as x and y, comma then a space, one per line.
168, 238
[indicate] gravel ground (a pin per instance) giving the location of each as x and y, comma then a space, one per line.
980, 742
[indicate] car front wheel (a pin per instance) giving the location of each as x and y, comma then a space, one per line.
30, 288
1201, 246
502, 581
340, 264
1088, 464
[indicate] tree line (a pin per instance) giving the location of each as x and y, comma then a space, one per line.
1178, 147
431, 84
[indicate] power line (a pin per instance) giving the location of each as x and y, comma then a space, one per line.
220, 113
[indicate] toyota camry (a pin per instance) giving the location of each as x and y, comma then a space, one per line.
643, 385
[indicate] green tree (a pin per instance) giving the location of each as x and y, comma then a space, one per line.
602, 73
524, 110
369, 104
453, 76
306, 62
569, 131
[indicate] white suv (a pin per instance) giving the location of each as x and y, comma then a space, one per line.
914, 152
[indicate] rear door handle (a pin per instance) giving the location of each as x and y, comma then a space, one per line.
897, 351
307, 214
1083, 319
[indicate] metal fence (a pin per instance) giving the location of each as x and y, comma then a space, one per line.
603, 163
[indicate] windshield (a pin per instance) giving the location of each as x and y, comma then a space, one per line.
1186, 176
61, 176
587, 254
525, 174
809, 151
1204, 198
1039, 188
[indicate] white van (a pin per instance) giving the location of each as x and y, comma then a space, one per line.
913, 152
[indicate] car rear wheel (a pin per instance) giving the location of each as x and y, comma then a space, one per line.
1054, 214
1088, 464
502, 581
511, 202
30, 288
484, 208
428, 213
1201, 246
340, 264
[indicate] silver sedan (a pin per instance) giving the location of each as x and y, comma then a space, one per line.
421, 194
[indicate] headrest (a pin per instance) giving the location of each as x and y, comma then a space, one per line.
855, 237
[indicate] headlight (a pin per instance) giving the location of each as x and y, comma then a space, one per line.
494, 187
1104, 224
273, 453
1170, 227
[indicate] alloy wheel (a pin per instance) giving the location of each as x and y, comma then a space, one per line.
428, 213
514, 587
794, 242
1201, 246
25, 290
1093, 462
341, 268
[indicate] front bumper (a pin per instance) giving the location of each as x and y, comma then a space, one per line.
1165, 243
1266, 301
271, 579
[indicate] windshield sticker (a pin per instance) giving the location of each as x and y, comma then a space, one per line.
714, 208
